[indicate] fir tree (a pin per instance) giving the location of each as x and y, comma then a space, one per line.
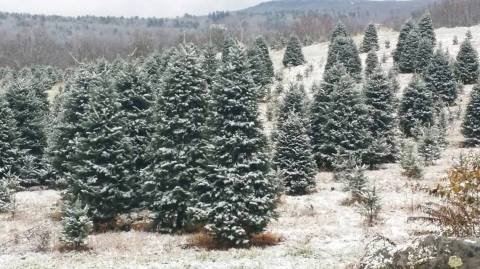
407, 61
99, 161
268, 70
429, 147
76, 225
440, 79
339, 118
293, 156
228, 43
293, 54
370, 39
242, 199
179, 147
471, 123
293, 100
371, 63
380, 99
210, 64
425, 28
409, 160
469, 35
424, 55
9, 185
344, 51
402, 41
339, 31
9, 147
467, 68
416, 107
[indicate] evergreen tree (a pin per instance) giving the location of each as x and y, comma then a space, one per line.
380, 99
407, 61
469, 35
293, 54
424, 55
339, 31
440, 79
429, 148
416, 107
228, 43
344, 51
371, 63
9, 185
29, 113
467, 68
409, 160
339, 118
293, 156
210, 64
99, 161
402, 41
76, 225
471, 123
293, 100
9, 147
242, 198
261, 45
370, 39
179, 147
425, 28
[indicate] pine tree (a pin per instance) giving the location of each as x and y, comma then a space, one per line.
402, 41
409, 160
242, 199
339, 31
293, 54
429, 147
371, 63
469, 35
76, 225
424, 55
381, 101
407, 60
467, 67
28, 109
293, 156
344, 51
9, 147
440, 79
339, 118
416, 107
228, 43
370, 39
426, 30
179, 147
267, 60
471, 123
99, 161
9, 185
293, 100
210, 64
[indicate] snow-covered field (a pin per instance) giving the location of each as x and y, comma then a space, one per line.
317, 231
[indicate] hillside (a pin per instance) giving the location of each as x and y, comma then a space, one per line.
317, 231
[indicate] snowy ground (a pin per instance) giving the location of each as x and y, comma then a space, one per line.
317, 231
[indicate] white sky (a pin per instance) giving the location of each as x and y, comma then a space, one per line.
142, 8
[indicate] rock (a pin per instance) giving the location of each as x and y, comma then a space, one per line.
429, 252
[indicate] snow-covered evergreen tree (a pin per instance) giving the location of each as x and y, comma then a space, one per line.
243, 195
402, 41
344, 51
293, 100
76, 225
179, 147
409, 160
267, 60
429, 147
425, 28
407, 60
228, 43
371, 63
9, 147
381, 101
467, 67
424, 55
416, 107
293, 156
339, 118
440, 79
293, 53
339, 31
471, 123
370, 39
9, 185
210, 64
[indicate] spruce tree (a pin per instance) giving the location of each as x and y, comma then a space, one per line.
100, 157
293, 53
371, 63
179, 147
261, 45
429, 147
424, 55
76, 225
425, 28
416, 107
402, 41
409, 160
210, 64
471, 123
228, 43
9, 147
381, 101
339, 119
407, 61
370, 39
242, 198
440, 79
344, 51
293, 156
293, 100
467, 67
339, 31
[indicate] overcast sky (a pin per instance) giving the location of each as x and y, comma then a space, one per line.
143, 8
